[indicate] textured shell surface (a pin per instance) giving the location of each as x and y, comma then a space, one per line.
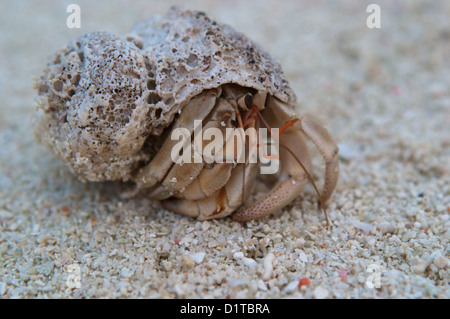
104, 97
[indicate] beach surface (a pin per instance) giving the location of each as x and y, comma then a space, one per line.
383, 93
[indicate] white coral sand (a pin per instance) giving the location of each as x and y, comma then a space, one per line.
383, 93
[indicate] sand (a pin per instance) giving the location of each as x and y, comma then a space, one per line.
383, 93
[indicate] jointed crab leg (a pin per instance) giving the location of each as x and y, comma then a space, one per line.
321, 139
222, 202
292, 180
197, 109
181, 176
208, 182
213, 175
329, 150
285, 191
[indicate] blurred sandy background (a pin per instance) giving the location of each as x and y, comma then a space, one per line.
383, 93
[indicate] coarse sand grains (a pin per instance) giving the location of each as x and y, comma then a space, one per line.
383, 93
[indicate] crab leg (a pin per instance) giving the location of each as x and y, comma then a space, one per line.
215, 175
211, 179
285, 191
197, 109
222, 202
217, 191
321, 139
177, 179
329, 150
181, 176
292, 180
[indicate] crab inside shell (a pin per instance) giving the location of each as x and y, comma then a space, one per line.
217, 189
108, 102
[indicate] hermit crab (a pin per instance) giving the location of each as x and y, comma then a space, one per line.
108, 105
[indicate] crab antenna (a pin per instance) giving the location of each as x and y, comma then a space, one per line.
310, 180
241, 126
